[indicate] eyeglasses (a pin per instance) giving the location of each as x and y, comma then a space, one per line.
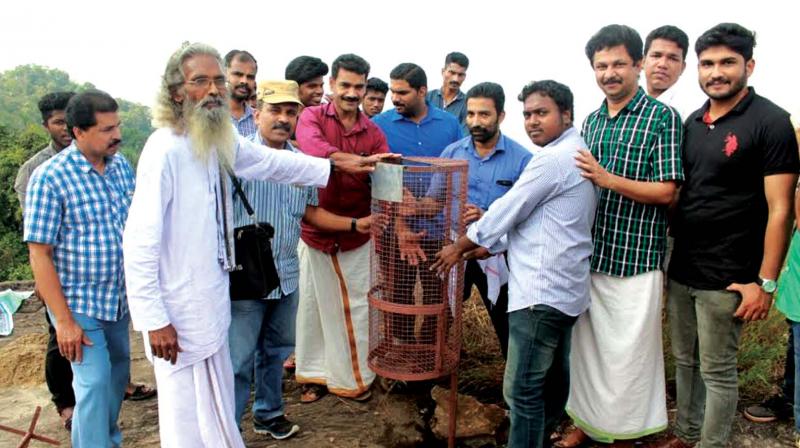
204, 82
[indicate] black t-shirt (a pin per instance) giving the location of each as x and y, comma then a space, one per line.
721, 216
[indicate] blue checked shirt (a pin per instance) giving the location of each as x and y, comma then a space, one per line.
283, 206
246, 124
81, 213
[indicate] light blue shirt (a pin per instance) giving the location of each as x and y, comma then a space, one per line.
246, 124
547, 216
492, 176
81, 213
283, 206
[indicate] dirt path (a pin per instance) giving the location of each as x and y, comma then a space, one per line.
394, 420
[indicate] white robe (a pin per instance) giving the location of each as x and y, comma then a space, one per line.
170, 243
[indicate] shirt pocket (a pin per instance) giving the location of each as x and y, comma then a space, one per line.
633, 155
92, 241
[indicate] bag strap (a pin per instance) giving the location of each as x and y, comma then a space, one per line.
237, 186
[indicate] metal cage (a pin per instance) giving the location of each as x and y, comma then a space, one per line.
415, 315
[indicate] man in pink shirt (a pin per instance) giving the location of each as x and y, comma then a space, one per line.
332, 316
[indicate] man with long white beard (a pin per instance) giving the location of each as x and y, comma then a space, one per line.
178, 243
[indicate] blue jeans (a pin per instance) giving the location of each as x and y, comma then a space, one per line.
536, 381
99, 382
796, 359
261, 337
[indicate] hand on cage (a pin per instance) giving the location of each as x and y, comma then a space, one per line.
380, 220
409, 205
446, 259
410, 248
356, 164
472, 213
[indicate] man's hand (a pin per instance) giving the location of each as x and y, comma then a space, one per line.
410, 249
164, 343
355, 164
472, 213
592, 169
409, 205
480, 253
70, 337
755, 302
380, 220
446, 259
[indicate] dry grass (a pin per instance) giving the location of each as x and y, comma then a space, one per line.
762, 352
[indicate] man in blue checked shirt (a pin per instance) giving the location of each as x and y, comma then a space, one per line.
75, 211
262, 332
240, 73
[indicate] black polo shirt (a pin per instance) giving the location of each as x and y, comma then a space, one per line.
721, 215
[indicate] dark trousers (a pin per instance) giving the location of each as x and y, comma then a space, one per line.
57, 372
536, 381
498, 312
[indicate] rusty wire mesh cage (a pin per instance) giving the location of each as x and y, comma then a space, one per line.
415, 314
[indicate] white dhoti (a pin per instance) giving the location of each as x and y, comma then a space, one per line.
196, 403
333, 320
617, 388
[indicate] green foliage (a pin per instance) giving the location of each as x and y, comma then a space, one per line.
21, 136
21, 88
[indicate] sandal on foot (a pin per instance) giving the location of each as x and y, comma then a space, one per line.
573, 439
312, 392
140, 392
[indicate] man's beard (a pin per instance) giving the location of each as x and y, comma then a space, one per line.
210, 130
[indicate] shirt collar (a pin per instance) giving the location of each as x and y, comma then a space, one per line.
433, 114
568, 133
76, 157
500, 146
329, 109
635, 103
738, 109
260, 140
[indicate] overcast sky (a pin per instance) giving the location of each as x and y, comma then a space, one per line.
122, 47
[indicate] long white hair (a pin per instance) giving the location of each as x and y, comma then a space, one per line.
208, 130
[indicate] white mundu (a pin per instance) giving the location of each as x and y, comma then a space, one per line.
174, 276
617, 389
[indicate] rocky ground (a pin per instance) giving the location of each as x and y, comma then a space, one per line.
399, 418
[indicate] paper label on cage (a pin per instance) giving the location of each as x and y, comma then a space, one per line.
387, 182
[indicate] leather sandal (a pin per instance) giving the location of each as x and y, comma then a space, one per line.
312, 392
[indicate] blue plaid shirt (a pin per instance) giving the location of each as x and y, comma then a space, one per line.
81, 213
246, 124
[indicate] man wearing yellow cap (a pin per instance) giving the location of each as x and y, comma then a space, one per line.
262, 332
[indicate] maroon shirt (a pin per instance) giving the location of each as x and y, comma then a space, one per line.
320, 133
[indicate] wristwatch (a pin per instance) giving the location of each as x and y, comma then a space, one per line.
767, 285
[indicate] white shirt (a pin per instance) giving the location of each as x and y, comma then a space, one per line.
170, 243
547, 216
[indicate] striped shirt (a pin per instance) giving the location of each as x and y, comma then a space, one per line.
547, 216
246, 124
283, 206
642, 143
82, 213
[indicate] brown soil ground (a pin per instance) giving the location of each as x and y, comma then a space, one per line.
387, 420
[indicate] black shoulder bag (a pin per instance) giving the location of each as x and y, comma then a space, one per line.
254, 276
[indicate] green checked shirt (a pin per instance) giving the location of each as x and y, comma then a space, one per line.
643, 143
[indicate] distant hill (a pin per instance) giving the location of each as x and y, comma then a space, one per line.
21, 88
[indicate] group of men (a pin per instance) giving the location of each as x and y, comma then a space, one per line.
580, 223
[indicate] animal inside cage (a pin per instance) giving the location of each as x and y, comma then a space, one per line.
415, 314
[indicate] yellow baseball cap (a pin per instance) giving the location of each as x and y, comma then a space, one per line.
276, 92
